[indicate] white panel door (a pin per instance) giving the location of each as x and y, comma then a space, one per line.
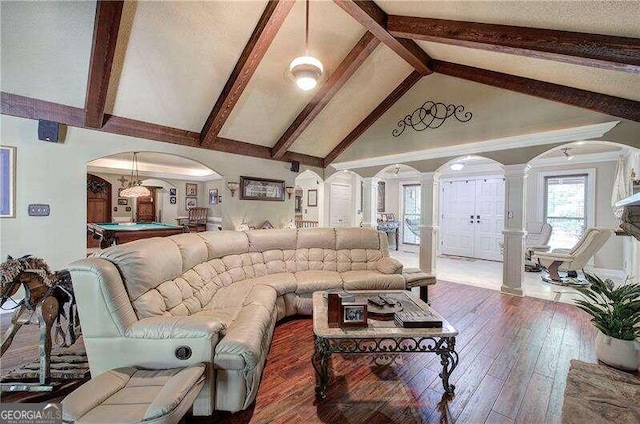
340, 206
458, 213
489, 218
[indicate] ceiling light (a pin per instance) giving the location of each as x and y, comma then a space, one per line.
135, 188
306, 70
566, 153
456, 166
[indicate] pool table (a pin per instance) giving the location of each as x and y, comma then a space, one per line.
109, 233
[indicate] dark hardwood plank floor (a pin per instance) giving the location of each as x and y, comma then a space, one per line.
514, 359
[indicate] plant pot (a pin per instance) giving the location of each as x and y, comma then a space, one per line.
621, 354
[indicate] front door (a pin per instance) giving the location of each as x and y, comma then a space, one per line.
146, 207
489, 221
458, 217
340, 206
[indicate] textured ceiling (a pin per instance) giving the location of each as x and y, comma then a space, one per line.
271, 101
174, 58
373, 81
597, 17
178, 57
46, 48
614, 83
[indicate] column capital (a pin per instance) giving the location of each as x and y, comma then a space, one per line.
370, 180
429, 177
519, 170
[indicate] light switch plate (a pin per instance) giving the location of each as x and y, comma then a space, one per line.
39, 210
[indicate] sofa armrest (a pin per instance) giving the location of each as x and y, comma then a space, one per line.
563, 257
389, 266
182, 327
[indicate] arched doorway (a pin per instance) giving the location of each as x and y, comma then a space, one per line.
309, 201
343, 205
573, 187
176, 184
398, 206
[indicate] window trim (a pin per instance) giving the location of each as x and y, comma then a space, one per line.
591, 191
403, 186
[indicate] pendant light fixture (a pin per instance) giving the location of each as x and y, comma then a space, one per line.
306, 70
135, 188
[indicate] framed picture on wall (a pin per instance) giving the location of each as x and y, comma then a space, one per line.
190, 202
192, 189
381, 187
213, 196
252, 188
123, 202
312, 198
173, 200
173, 191
7, 182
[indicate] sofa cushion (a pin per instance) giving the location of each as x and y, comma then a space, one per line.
371, 280
310, 281
246, 342
357, 238
145, 264
283, 282
262, 241
223, 243
389, 266
193, 249
318, 238
231, 296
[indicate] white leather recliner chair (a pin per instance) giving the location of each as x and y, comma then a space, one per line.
572, 260
537, 240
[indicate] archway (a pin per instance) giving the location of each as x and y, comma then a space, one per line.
469, 220
573, 187
343, 204
310, 200
176, 183
398, 206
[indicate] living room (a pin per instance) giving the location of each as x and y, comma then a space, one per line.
483, 155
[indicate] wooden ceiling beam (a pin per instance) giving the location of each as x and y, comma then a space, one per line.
374, 19
103, 48
26, 107
602, 103
356, 57
265, 31
367, 122
595, 50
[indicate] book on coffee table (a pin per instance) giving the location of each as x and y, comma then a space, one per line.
417, 319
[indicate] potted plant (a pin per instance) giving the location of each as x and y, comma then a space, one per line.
616, 315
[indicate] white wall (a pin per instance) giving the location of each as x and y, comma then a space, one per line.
353, 180
56, 174
611, 255
310, 181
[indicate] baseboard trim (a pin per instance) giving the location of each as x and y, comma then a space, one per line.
512, 291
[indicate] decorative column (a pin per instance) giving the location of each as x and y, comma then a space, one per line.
370, 202
429, 207
514, 229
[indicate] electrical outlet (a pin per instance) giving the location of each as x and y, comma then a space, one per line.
39, 210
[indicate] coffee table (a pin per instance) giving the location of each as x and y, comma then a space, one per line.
381, 336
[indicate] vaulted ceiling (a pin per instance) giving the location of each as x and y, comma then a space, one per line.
214, 74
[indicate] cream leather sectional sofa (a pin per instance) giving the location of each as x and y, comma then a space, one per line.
220, 294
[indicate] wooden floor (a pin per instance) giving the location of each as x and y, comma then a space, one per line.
514, 359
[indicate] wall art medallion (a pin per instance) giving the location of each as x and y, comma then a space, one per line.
431, 115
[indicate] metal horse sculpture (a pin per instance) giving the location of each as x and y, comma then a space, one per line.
47, 295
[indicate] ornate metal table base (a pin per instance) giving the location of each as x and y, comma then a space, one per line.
442, 346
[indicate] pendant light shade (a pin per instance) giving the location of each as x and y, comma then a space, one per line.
306, 70
135, 188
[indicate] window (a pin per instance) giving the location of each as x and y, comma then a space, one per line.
411, 214
565, 208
